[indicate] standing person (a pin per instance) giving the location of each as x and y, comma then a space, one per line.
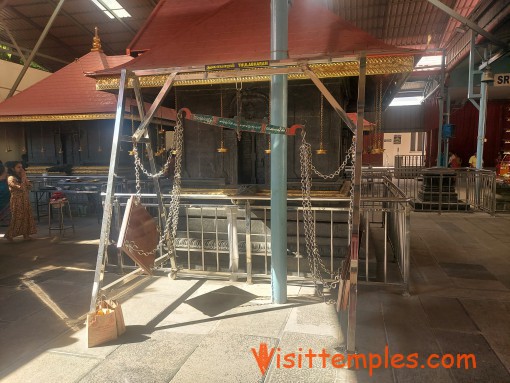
5, 212
22, 222
472, 161
454, 161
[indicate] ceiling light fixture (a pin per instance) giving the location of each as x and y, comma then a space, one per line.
114, 6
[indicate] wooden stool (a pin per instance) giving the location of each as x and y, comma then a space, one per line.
60, 206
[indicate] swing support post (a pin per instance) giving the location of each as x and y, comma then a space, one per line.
150, 153
110, 190
141, 135
142, 128
356, 215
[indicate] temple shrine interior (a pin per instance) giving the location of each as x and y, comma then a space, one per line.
255, 190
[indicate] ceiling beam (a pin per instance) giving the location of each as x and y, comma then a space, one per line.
27, 51
17, 13
386, 16
475, 27
36, 48
80, 25
11, 37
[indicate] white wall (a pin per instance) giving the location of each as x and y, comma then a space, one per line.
401, 120
392, 149
10, 72
11, 149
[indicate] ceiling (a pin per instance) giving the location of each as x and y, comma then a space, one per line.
405, 23
70, 36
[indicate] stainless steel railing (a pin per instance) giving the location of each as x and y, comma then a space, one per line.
386, 214
216, 228
459, 190
213, 233
409, 166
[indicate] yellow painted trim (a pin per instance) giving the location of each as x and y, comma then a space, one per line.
375, 66
58, 117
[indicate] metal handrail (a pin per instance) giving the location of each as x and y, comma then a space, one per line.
393, 204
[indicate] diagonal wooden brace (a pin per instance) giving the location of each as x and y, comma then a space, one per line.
142, 128
334, 103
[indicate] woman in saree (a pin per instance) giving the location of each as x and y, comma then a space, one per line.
22, 222
5, 196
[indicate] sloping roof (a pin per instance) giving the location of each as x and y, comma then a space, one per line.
183, 33
67, 91
354, 118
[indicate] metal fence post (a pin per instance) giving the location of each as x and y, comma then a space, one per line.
233, 243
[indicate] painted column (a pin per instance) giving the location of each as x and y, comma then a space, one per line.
439, 161
279, 46
482, 115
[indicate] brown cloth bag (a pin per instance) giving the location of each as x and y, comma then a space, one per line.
106, 323
139, 235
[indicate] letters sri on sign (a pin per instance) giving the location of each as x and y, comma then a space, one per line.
502, 79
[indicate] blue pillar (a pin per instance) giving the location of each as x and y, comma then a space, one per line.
482, 115
279, 50
440, 161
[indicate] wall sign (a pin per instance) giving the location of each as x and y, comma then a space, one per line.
241, 65
502, 79
397, 139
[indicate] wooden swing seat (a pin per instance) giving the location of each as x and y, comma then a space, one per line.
139, 235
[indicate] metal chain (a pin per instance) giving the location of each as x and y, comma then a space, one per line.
172, 218
317, 266
337, 172
379, 117
239, 100
137, 172
139, 164
133, 248
176, 187
221, 115
321, 122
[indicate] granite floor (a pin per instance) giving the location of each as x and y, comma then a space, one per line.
206, 330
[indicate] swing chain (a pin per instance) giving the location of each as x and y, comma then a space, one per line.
317, 266
337, 172
173, 213
139, 164
239, 103
137, 173
172, 218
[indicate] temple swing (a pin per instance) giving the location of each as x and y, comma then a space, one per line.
139, 233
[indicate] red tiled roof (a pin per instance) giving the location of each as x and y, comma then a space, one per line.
354, 118
187, 33
67, 91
